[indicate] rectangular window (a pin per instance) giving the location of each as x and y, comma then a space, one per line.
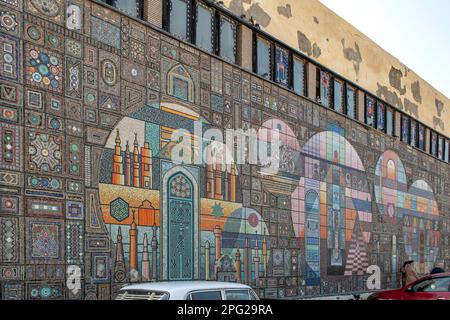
227, 39
299, 76
204, 27
281, 66
370, 111
351, 102
263, 57
421, 138
447, 150
405, 129
338, 92
413, 133
381, 110
178, 18
390, 121
433, 144
130, 7
441, 148
325, 79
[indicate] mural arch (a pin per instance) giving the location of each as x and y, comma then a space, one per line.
331, 207
413, 207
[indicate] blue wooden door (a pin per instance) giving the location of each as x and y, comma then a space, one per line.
180, 228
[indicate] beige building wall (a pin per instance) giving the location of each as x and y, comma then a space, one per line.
319, 33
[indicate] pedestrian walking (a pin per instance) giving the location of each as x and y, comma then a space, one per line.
409, 273
438, 268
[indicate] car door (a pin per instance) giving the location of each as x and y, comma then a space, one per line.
437, 288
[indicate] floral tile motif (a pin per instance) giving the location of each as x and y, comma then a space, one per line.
44, 69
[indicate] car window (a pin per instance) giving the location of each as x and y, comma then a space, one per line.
206, 295
237, 295
433, 285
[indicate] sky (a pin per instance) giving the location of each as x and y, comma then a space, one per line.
417, 32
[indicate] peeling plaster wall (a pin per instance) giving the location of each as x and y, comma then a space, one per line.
325, 37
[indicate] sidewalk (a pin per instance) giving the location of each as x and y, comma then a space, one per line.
363, 296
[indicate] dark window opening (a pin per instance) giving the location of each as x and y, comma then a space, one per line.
227, 39
299, 76
263, 58
324, 88
370, 111
178, 18
281, 66
390, 121
350, 102
381, 116
405, 129
338, 94
204, 28
132, 8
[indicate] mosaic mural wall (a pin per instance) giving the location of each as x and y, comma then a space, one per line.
89, 100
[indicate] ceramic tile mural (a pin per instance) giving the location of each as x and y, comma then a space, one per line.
87, 176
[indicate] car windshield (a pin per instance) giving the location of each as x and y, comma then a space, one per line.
433, 285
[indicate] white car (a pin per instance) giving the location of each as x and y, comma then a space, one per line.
187, 290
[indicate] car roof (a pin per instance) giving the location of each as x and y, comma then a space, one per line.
178, 289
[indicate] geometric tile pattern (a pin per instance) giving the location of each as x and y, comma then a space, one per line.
89, 100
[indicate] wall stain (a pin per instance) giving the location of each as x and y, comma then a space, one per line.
415, 88
258, 13
412, 108
285, 11
237, 6
395, 79
438, 123
316, 51
439, 107
389, 96
353, 55
305, 45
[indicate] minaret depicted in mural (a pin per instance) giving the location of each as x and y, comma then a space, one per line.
133, 245
218, 237
117, 176
247, 253
238, 266
210, 184
233, 183
265, 253
145, 261
218, 180
256, 261
146, 166
127, 172
119, 265
154, 245
136, 164
207, 259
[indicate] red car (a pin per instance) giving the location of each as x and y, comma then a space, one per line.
432, 287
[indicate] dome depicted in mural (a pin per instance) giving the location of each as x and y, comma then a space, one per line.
414, 208
331, 207
245, 231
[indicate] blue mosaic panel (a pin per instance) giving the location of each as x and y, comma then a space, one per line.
105, 32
